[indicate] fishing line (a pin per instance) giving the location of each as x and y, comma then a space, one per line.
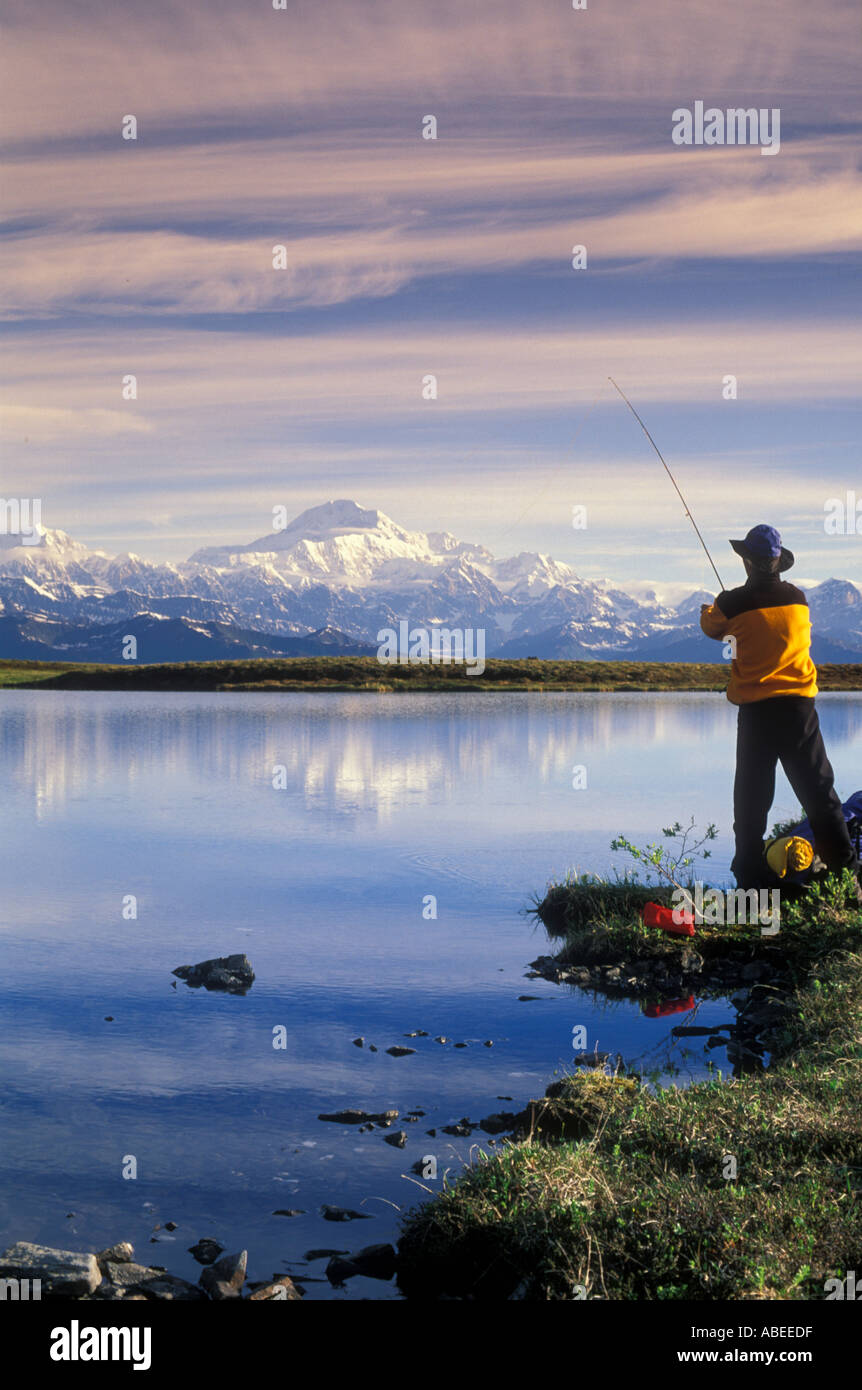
564, 462
670, 475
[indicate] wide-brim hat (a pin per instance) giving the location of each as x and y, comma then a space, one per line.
763, 547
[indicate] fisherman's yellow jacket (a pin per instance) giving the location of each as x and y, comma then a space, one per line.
770, 622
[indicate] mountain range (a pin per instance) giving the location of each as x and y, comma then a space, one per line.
330, 580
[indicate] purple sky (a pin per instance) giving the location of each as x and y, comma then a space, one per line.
406, 257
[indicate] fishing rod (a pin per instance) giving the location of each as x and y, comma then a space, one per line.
669, 474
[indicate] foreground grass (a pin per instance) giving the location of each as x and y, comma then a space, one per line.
623, 1193
597, 921
366, 673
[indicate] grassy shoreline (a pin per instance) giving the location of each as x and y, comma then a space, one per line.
618, 1191
339, 674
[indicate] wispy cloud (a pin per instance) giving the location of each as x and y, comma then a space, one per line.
378, 372
704, 204
408, 257
37, 424
223, 60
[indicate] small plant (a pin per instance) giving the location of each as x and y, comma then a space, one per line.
830, 899
672, 863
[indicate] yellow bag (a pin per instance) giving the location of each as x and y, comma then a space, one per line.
789, 853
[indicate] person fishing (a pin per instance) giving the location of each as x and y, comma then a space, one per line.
773, 681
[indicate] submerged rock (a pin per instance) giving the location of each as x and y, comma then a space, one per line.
231, 973
400, 1051
206, 1251
500, 1122
362, 1117
63, 1273
331, 1213
374, 1261
463, 1128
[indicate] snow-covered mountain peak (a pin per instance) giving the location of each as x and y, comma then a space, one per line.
690, 607
339, 538
333, 518
836, 593
530, 574
42, 540
347, 569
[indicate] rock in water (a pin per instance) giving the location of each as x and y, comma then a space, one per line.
226, 1277
463, 1128
362, 1117
498, 1123
331, 1213
231, 973
206, 1251
376, 1261
63, 1273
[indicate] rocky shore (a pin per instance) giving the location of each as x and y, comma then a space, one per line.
114, 1274
40, 1272
610, 1188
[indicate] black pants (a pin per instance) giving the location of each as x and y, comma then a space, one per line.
784, 729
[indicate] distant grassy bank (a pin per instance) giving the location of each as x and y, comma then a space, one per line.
367, 674
730, 1189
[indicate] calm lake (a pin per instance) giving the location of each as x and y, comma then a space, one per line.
321, 881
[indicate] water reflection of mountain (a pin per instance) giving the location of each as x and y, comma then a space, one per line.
359, 751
